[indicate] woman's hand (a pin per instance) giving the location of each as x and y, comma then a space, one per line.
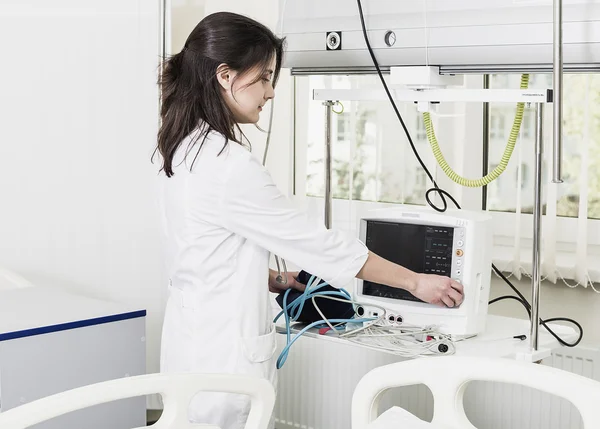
276, 287
438, 290
430, 288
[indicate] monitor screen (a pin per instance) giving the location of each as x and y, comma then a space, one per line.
420, 248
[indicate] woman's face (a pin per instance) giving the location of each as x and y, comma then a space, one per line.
245, 98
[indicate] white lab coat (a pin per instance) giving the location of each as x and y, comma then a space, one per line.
222, 219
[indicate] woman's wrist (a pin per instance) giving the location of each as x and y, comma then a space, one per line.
407, 279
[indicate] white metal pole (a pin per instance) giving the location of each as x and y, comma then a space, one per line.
537, 226
557, 93
328, 137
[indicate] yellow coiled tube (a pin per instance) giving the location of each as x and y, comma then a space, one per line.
496, 172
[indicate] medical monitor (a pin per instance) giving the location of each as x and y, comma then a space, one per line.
455, 244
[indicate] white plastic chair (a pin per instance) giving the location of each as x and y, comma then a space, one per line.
177, 390
447, 377
11, 280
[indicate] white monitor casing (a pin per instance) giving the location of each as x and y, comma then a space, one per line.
471, 266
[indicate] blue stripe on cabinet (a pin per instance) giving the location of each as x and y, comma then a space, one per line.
71, 325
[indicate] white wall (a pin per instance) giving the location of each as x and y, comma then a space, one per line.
78, 111
185, 15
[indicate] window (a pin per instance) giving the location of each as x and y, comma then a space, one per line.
527, 126
421, 179
370, 153
579, 137
373, 162
344, 127
421, 132
497, 123
388, 168
524, 179
495, 188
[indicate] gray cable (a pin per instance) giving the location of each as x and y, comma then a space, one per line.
280, 278
264, 161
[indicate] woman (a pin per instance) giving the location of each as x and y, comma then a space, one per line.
224, 215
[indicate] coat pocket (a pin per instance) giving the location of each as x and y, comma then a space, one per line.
257, 360
261, 348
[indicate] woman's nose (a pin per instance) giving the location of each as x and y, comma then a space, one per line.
270, 93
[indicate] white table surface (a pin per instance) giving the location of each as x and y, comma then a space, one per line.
496, 341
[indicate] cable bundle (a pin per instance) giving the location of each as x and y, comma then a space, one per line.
292, 311
405, 340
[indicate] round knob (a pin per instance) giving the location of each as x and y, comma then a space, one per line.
390, 38
333, 41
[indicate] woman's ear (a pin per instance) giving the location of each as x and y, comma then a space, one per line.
224, 76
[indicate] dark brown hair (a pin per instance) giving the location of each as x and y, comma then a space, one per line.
190, 92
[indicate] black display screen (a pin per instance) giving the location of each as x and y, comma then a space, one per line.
420, 248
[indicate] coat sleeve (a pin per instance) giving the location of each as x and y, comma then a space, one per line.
252, 207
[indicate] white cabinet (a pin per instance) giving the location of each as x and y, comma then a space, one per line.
52, 341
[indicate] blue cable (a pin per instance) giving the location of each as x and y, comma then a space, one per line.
296, 307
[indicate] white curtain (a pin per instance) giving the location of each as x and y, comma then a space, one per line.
568, 253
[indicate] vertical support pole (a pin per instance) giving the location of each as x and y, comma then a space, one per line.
557, 92
537, 226
486, 142
328, 139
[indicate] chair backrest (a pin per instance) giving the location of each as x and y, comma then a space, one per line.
448, 376
177, 391
11, 280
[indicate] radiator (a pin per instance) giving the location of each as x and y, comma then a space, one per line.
318, 379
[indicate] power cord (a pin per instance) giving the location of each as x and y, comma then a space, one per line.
442, 193
527, 306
